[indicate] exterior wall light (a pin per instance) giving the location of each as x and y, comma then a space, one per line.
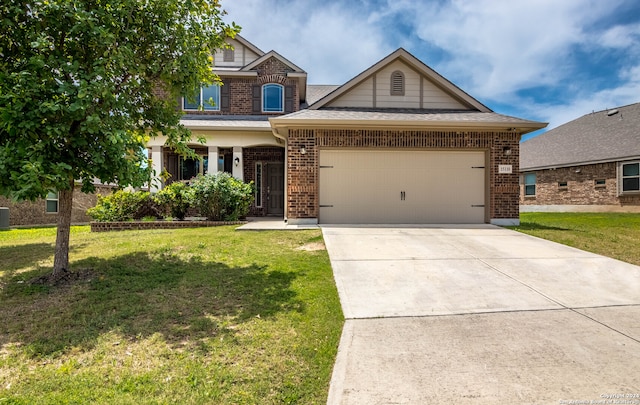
506, 150
303, 151
236, 161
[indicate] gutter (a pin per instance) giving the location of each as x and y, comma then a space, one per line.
521, 127
583, 163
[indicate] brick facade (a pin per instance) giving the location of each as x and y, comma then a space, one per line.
34, 212
240, 89
581, 187
265, 155
302, 170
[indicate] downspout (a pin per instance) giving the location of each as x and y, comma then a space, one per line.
286, 169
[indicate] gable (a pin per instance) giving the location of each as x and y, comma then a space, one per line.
423, 88
419, 91
243, 52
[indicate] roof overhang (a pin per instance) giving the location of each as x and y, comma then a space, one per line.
411, 122
226, 125
584, 163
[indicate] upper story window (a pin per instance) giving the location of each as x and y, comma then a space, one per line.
228, 55
397, 83
530, 184
630, 177
208, 99
272, 98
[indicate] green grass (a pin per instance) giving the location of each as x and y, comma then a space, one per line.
609, 234
191, 316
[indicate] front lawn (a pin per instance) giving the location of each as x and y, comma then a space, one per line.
609, 234
190, 316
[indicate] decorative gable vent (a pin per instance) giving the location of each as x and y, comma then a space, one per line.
228, 55
397, 83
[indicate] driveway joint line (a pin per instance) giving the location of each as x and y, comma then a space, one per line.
558, 302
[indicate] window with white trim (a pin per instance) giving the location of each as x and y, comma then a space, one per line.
51, 204
630, 177
208, 100
272, 98
530, 184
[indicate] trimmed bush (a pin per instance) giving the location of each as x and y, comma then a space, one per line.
175, 198
221, 197
120, 206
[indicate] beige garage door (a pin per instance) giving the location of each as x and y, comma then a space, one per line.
401, 187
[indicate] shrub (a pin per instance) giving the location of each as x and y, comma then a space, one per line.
119, 206
175, 198
221, 197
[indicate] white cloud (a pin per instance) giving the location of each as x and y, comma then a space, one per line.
498, 47
333, 42
518, 53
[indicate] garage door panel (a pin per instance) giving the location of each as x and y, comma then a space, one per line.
365, 186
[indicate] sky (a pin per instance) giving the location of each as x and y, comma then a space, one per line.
544, 60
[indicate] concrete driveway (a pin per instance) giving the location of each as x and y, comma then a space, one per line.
482, 315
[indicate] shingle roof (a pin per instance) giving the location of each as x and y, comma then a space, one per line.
409, 117
597, 137
317, 91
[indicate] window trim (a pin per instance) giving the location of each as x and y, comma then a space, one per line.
397, 83
264, 99
258, 189
200, 101
524, 181
51, 198
622, 177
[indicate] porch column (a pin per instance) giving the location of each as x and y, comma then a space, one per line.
213, 159
237, 171
156, 165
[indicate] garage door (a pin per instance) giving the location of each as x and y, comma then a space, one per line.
401, 187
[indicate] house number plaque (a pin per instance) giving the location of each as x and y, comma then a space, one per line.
505, 169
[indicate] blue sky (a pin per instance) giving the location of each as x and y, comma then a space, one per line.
545, 60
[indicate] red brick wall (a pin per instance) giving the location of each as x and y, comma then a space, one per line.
271, 71
302, 176
581, 188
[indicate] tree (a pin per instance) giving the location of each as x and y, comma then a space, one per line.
84, 83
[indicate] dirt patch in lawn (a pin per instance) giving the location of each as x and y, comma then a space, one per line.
312, 247
64, 277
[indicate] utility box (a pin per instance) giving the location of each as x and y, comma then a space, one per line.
4, 218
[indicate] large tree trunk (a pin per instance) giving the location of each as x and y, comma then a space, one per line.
65, 203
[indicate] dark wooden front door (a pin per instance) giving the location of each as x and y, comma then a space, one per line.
275, 189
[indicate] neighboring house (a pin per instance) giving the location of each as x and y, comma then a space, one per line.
45, 212
590, 164
396, 144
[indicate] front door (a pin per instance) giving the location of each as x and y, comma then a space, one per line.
275, 189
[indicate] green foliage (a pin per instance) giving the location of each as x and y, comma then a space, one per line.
175, 198
119, 206
84, 83
220, 196
78, 85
